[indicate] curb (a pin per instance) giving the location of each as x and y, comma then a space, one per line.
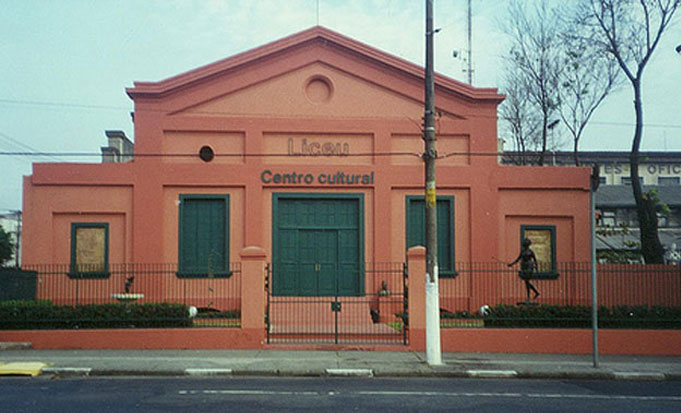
208, 372
364, 372
8, 345
349, 372
67, 371
492, 374
625, 375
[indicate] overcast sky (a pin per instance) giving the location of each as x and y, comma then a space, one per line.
64, 65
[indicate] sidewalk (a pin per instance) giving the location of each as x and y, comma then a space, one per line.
341, 363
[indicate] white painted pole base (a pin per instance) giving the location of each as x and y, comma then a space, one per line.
433, 350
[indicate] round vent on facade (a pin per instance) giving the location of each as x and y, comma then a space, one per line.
319, 89
206, 153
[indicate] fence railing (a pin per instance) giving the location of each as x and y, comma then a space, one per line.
654, 289
372, 314
569, 285
216, 298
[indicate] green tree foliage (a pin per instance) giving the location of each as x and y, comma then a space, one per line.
6, 246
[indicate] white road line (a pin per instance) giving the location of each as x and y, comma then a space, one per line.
250, 392
435, 393
602, 397
431, 394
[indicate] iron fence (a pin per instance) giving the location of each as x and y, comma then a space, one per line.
375, 315
148, 290
629, 295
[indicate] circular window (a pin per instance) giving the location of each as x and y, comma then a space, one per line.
206, 153
319, 89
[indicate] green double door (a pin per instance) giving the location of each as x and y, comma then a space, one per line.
317, 245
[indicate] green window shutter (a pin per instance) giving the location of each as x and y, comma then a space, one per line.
204, 235
416, 229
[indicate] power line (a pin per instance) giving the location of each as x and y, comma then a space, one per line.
507, 154
12, 141
67, 105
61, 104
225, 155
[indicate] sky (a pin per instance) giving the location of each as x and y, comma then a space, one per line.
64, 65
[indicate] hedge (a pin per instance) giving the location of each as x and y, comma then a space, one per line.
23, 315
549, 316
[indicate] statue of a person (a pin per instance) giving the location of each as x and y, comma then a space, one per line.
528, 264
128, 283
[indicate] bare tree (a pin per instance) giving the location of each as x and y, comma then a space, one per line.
535, 53
587, 78
629, 32
520, 117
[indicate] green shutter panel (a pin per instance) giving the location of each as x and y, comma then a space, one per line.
416, 229
444, 236
203, 235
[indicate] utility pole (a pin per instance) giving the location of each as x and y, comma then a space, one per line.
433, 352
593, 187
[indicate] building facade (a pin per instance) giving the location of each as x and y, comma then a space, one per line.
308, 147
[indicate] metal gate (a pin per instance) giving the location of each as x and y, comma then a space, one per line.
376, 316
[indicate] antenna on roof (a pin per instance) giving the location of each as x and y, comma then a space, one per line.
469, 27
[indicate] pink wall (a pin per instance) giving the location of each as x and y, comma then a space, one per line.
316, 87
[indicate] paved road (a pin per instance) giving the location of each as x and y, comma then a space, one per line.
335, 394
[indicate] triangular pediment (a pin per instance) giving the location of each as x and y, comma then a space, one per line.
317, 89
316, 72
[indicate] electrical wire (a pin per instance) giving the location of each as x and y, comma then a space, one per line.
13, 142
67, 105
225, 155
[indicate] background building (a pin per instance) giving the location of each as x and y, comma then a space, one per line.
617, 220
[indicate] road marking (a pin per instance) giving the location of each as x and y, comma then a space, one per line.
436, 394
602, 397
429, 394
250, 392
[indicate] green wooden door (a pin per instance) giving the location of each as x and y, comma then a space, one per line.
317, 246
318, 269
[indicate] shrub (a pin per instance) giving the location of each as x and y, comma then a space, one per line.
219, 314
550, 316
22, 315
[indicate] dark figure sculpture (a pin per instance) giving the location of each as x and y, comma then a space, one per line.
528, 263
128, 283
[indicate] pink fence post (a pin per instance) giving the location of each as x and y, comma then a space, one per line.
416, 258
253, 261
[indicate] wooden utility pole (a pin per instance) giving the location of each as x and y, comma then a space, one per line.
433, 352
